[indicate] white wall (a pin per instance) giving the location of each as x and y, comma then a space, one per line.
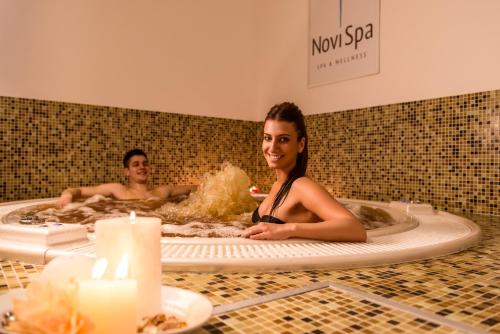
428, 48
181, 56
235, 58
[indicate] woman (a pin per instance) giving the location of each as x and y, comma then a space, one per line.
295, 201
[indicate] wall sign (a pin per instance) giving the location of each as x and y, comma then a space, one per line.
343, 40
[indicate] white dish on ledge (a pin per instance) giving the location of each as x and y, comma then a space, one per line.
191, 307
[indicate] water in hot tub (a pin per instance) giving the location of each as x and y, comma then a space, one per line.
221, 207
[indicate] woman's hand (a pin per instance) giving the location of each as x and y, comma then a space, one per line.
269, 231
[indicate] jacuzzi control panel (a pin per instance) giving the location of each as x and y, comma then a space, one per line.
413, 208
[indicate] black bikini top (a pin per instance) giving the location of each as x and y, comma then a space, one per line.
265, 218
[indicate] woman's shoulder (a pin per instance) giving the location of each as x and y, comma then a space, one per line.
305, 183
304, 180
311, 193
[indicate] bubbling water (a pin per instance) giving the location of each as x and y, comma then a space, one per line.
221, 195
218, 208
221, 207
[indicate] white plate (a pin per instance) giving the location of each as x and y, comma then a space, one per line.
194, 308
191, 307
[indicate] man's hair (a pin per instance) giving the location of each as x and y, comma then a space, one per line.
130, 154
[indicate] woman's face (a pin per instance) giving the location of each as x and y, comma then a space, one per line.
281, 145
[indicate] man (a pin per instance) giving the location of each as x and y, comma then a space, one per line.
137, 169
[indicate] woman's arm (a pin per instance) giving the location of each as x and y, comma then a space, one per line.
338, 224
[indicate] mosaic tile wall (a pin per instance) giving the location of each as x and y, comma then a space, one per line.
47, 146
443, 151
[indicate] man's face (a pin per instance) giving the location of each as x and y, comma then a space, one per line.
138, 169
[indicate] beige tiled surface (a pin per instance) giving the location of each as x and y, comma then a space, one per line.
443, 151
322, 311
463, 287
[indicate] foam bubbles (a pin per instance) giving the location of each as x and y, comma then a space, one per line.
200, 229
220, 195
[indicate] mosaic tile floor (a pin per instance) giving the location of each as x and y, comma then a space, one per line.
455, 294
322, 311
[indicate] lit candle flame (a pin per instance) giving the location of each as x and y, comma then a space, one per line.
122, 269
132, 217
99, 268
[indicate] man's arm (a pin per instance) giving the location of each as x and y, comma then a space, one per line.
71, 194
166, 192
182, 190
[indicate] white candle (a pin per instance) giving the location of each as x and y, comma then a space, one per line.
145, 263
110, 304
141, 238
113, 240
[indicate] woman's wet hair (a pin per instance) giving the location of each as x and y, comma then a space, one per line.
132, 153
289, 112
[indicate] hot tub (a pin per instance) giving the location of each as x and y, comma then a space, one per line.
419, 233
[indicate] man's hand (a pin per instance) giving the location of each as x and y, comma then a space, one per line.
65, 198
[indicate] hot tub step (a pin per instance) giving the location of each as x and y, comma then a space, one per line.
46, 234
